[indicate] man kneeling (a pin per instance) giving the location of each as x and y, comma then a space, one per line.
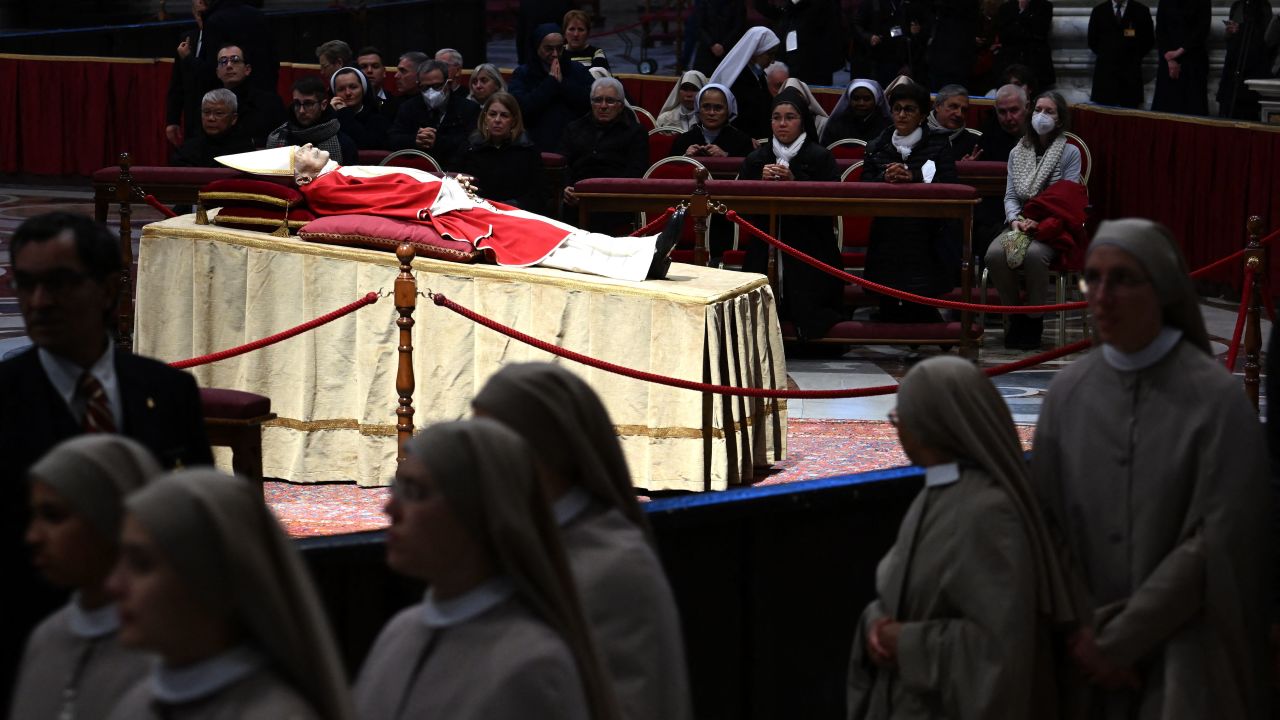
514, 237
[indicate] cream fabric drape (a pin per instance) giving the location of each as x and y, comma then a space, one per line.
203, 289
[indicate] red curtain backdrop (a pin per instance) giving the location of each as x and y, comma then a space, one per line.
1202, 178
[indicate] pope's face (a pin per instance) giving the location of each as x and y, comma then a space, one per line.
309, 161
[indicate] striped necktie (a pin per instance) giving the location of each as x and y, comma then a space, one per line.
97, 409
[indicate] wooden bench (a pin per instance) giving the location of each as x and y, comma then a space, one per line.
760, 197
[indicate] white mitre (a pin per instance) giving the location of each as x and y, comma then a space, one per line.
273, 161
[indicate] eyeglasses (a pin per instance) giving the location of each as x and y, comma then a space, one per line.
230, 60
215, 113
54, 282
713, 107
1119, 279
905, 109
305, 104
599, 100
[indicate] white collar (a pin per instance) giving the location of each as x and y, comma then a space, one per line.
65, 374
1153, 353
181, 685
91, 624
906, 143
939, 475
570, 506
474, 602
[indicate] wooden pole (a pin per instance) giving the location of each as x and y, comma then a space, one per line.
968, 346
124, 308
700, 208
1253, 318
406, 295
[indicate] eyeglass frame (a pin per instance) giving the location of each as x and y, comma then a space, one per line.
231, 60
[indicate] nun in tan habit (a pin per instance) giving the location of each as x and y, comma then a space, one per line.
619, 578
1152, 465
209, 582
73, 666
971, 595
500, 634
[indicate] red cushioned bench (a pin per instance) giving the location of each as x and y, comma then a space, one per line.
234, 419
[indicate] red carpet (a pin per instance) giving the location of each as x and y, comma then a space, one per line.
816, 449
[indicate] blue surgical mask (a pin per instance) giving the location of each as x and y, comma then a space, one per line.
1043, 123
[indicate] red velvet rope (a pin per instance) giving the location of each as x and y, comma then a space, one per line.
368, 299
1233, 256
165, 210
1234, 349
893, 292
445, 302
657, 222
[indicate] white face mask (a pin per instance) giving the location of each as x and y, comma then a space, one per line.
434, 97
1043, 123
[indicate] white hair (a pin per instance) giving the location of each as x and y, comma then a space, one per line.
610, 82
221, 96
449, 55
777, 66
1012, 90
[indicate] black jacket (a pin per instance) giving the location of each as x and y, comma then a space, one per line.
845, 126
617, 150
952, 49
1120, 46
719, 22
199, 149
453, 124
919, 255
894, 55
548, 104
1183, 24
754, 104
260, 112
511, 174
368, 128
731, 140
161, 410
811, 298
1024, 39
234, 21
819, 37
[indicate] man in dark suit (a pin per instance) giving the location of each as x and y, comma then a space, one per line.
437, 120
1120, 34
66, 271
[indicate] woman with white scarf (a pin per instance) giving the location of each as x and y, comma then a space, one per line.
811, 299
681, 109
918, 255
862, 113
1042, 158
209, 581
74, 665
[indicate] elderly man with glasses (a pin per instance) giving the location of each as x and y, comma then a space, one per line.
220, 132
1151, 466
314, 122
606, 142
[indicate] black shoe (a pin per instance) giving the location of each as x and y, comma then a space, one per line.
1016, 333
1029, 337
665, 244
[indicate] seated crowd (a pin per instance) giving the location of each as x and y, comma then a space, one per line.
1119, 574
562, 100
